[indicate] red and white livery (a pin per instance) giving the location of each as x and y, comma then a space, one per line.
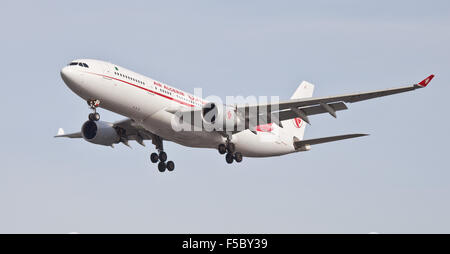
150, 108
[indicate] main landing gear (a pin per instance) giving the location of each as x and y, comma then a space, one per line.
231, 154
93, 104
161, 156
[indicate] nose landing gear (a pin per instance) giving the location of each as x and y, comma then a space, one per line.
94, 116
93, 104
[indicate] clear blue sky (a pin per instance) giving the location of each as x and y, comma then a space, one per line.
396, 180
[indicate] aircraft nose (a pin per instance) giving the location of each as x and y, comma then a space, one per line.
66, 73
71, 78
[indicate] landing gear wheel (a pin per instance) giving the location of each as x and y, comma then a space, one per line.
162, 156
230, 147
94, 116
154, 157
162, 166
238, 157
170, 165
93, 104
229, 158
222, 149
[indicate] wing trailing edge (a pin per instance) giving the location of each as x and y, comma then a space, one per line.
306, 143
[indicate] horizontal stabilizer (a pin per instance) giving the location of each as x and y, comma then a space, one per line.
61, 134
303, 143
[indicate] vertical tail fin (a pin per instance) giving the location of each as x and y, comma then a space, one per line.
296, 127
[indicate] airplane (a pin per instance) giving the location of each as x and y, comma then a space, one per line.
150, 107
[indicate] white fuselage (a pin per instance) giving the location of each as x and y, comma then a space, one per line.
149, 103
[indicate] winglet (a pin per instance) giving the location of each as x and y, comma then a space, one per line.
425, 82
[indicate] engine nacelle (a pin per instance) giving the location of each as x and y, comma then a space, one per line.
100, 133
220, 117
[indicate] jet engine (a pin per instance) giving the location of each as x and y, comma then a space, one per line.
100, 133
220, 117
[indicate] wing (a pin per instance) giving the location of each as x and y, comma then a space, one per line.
61, 134
302, 143
310, 106
133, 131
127, 129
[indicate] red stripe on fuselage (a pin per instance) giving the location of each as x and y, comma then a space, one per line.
143, 88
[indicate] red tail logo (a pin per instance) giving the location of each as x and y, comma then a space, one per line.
298, 122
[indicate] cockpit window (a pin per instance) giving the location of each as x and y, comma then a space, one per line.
79, 64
